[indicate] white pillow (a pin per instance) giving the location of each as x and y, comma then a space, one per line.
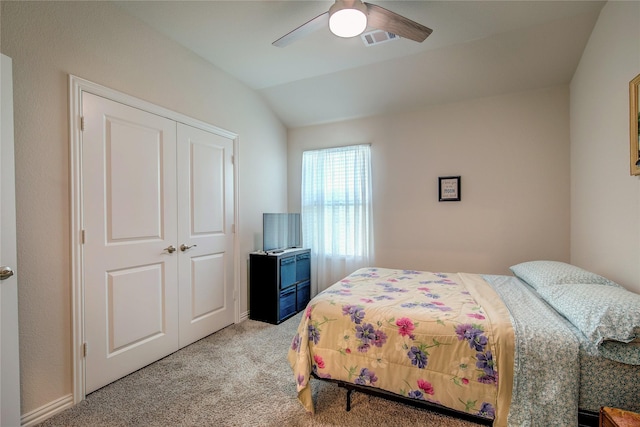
539, 274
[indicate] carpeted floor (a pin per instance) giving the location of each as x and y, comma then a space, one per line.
236, 377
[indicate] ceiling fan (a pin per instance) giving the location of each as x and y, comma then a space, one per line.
349, 18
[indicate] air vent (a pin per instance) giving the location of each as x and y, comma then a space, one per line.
378, 36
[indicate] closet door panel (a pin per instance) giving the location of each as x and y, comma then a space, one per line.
135, 290
129, 214
134, 181
207, 183
207, 299
205, 221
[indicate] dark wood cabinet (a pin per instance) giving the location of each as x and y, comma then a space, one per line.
279, 284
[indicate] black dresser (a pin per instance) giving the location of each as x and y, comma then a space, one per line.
279, 284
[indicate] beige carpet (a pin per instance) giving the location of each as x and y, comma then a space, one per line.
236, 377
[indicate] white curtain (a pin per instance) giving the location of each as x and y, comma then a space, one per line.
336, 212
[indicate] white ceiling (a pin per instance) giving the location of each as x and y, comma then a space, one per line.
478, 48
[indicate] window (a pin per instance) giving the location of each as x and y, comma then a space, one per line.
336, 210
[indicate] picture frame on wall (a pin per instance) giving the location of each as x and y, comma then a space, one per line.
449, 189
634, 124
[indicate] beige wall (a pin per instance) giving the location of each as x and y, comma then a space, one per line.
95, 41
605, 199
512, 153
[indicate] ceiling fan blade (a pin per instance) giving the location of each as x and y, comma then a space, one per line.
315, 24
383, 19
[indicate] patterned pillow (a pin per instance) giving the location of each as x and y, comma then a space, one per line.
601, 313
545, 273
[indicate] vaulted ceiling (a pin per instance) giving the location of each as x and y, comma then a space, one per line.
477, 49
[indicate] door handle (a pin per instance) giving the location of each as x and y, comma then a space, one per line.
184, 247
171, 249
5, 272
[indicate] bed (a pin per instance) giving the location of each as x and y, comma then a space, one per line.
547, 346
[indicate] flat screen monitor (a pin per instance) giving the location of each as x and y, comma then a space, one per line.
281, 231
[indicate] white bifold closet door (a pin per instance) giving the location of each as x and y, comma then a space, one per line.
205, 217
158, 247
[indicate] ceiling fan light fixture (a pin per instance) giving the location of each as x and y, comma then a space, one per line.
347, 20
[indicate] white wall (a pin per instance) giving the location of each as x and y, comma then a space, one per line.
96, 41
605, 199
512, 153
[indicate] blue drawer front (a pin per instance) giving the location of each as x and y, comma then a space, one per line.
302, 267
287, 272
287, 302
303, 256
304, 294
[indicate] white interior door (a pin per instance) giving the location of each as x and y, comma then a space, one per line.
205, 221
9, 359
129, 213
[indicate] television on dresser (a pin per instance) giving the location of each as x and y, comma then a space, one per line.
281, 231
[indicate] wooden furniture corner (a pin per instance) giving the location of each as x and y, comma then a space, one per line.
613, 417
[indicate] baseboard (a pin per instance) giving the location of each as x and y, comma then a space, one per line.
47, 411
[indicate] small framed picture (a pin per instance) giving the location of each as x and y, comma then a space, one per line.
449, 188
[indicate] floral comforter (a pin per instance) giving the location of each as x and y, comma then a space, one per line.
443, 338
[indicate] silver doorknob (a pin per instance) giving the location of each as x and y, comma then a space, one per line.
171, 249
5, 272
184, 247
